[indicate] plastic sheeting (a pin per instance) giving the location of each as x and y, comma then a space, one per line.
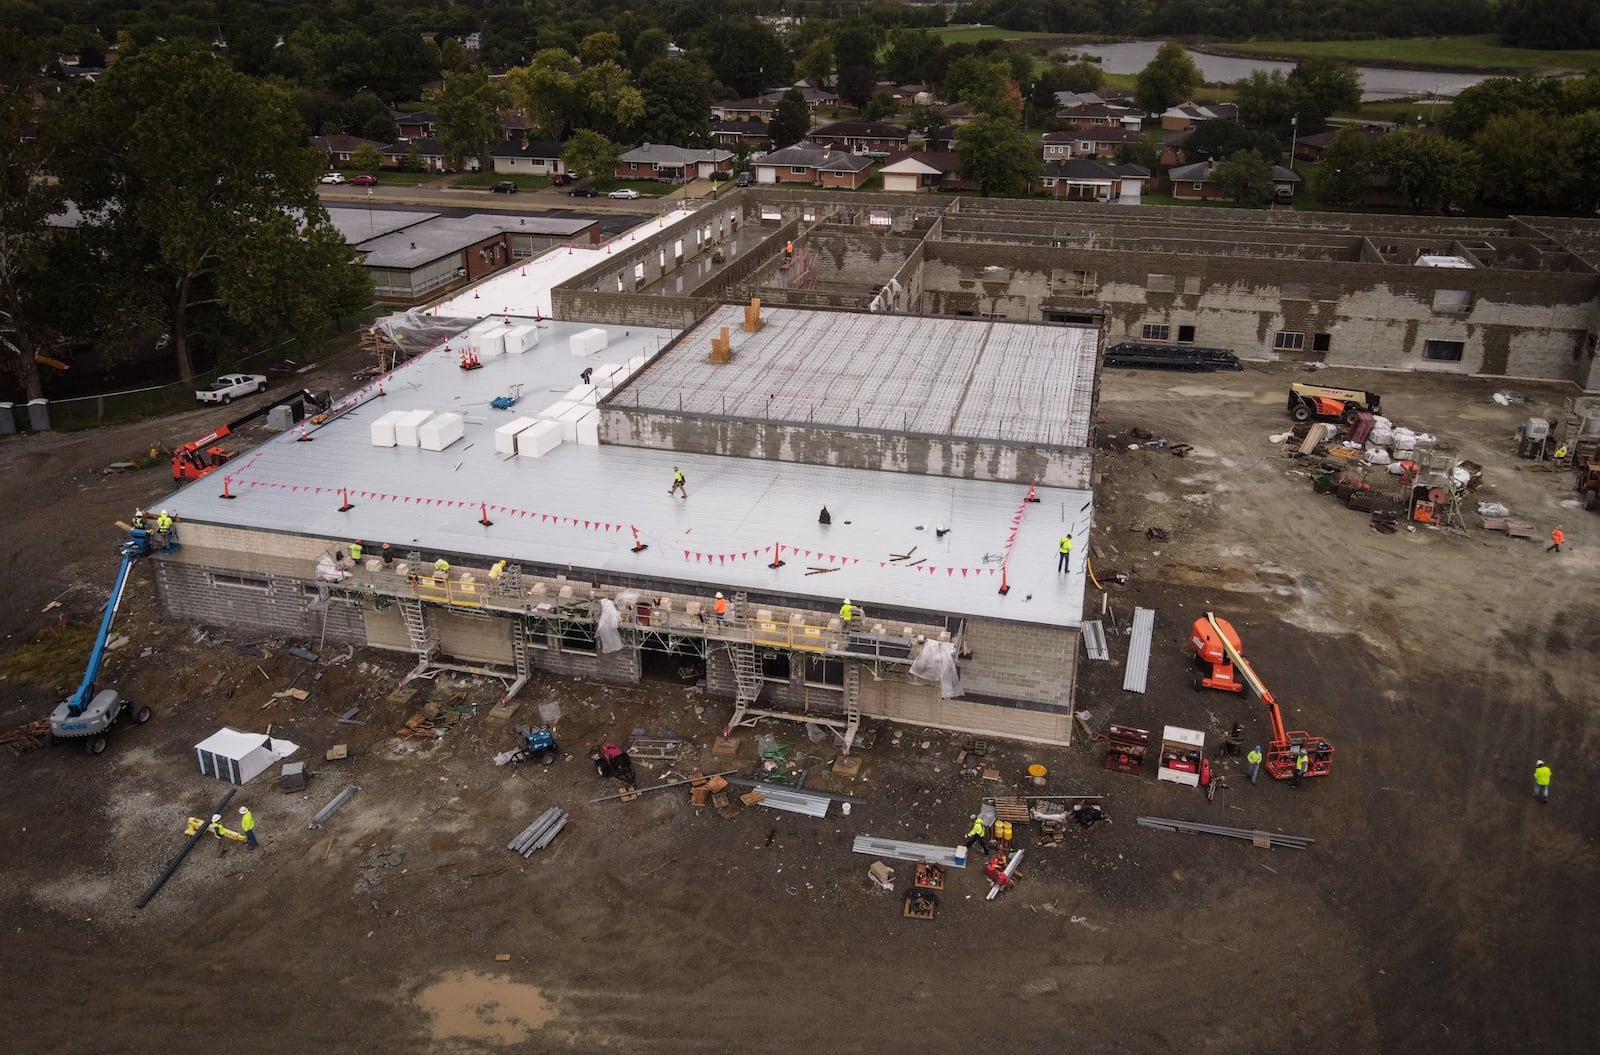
937, 662
605, 629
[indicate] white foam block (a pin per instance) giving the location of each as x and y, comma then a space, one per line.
583, 394
520, 339
539, 439
505, 437
587, 429
569, 422
440, 431
406, 426
491, 342
383, 428
554, 411
588, 342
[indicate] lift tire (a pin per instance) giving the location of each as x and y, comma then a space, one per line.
1301, 412
1352, 415
95, 745
141, 715
547, 758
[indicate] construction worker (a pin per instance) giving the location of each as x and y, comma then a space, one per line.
215, 827
721, 608
247, 824
1302, 762
138, 520
441, 567
355, 552
847, 612
788, 249
1557, 537
1561, 453
386, 554
1541, 781
164, 523
678, 483
1065, 548
978, 834
1254, 760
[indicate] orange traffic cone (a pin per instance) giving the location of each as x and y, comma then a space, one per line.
1005, 584
777, 559
1033, 489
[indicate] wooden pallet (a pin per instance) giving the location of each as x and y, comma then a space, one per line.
1011, 809
30, 731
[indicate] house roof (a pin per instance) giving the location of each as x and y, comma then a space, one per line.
1115, 113
666, 154
1200, 172
956, 110
513, 120
810, 155
812, 96
857, 130
927, 163
342, 144
1205, 112
743, 128
1065, 99
1088, 169
543, 149
421, 117
427, 146
743, 104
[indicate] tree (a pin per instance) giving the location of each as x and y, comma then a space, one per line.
1325, 86
1473, 107
1138, 152
200, 198
791, 121
648, 46
1081, 77
588, 153
998, 156
367, 158
546, 90
881, 105
677, 102
468, 107
817, 62
1217, 139
26, 200
1346, 171
983, 83
381, 127
745, 55
1247, 177
1168, 79
1525, 160
598, 48
856, 84
608, 101
1265, 100
1583, 157
910, 53
1428, 171
857, 43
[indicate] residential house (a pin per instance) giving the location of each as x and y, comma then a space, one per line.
1174, 149
744, 110
860, 137
1310, 148
421, 125
815, 98
925, 170
430, 150
1081, 179
1196, 183
817, 166
1188, 115
1100, 115
913, 95
1067, 100
1094, 142
513, 125
957, 114
670, 164
340, 148
540, 157
751, 135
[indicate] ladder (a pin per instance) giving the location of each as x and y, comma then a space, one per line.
746, 678
417, 629
852, 704
519, 649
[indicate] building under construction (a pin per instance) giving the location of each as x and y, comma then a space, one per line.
924, 468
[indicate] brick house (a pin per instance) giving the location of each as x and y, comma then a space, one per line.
340, 148
860, 137
924, 171
430, 150
541, 157
1195, 183
1100, 115
1188, 115
1087, 142
420, 125
1082, 179
670, 164
815, 166
744, 110
752, 135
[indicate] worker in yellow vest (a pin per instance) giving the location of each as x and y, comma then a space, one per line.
1302, 762
847, 612
1254, 760
979, 834
441, 567
355, 552
164, 523
138, 520
1065, 549
1541, 781
247, 824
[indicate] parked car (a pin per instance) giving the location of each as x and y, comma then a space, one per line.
225, 388
505, 186
581, 192
363, 181
743, 179
332, 177
625, 192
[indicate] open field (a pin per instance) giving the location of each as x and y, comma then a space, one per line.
1440, 909
1462, 53
976, 34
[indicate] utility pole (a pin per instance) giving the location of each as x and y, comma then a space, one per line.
1294, 138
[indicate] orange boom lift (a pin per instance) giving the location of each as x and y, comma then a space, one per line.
1217, 643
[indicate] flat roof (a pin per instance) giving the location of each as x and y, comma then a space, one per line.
577, 506
557, 226
989, 379
358, 225
425, 242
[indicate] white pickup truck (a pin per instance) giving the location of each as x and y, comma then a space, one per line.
229, 386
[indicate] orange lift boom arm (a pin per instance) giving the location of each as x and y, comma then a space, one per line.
1280, 750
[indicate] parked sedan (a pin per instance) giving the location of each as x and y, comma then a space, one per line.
229, 386
505, 186
625, 192
332, 177
581, 192
363, 181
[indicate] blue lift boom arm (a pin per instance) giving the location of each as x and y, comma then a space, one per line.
80, 699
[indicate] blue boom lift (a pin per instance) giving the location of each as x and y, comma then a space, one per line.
90, 712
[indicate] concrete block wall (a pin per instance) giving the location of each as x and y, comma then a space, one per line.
620, 668
205, 594
1020, 661
849, 448
794, 695
627, 309
658, 254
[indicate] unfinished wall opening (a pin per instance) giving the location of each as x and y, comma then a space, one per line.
1443, 351
1185, 334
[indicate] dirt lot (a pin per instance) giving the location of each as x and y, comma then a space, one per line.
1440, 905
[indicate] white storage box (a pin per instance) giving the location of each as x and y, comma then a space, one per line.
554, 411
383, 428
520, 339
239, 757
569, 422
588, 342
505, 437
588, 429
539, 439
406, 426
440, 431
491, 342
583, 394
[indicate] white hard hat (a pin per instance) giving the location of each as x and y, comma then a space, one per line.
215, 817
1540, 762
847, 600
719, 594
243, 810
138, 512
165, 513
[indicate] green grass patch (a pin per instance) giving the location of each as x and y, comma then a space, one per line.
1480, 52
485, 180
974, 34
53, 660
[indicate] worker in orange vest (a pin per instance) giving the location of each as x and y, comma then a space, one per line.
788, 249
721, 608
1557, 537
